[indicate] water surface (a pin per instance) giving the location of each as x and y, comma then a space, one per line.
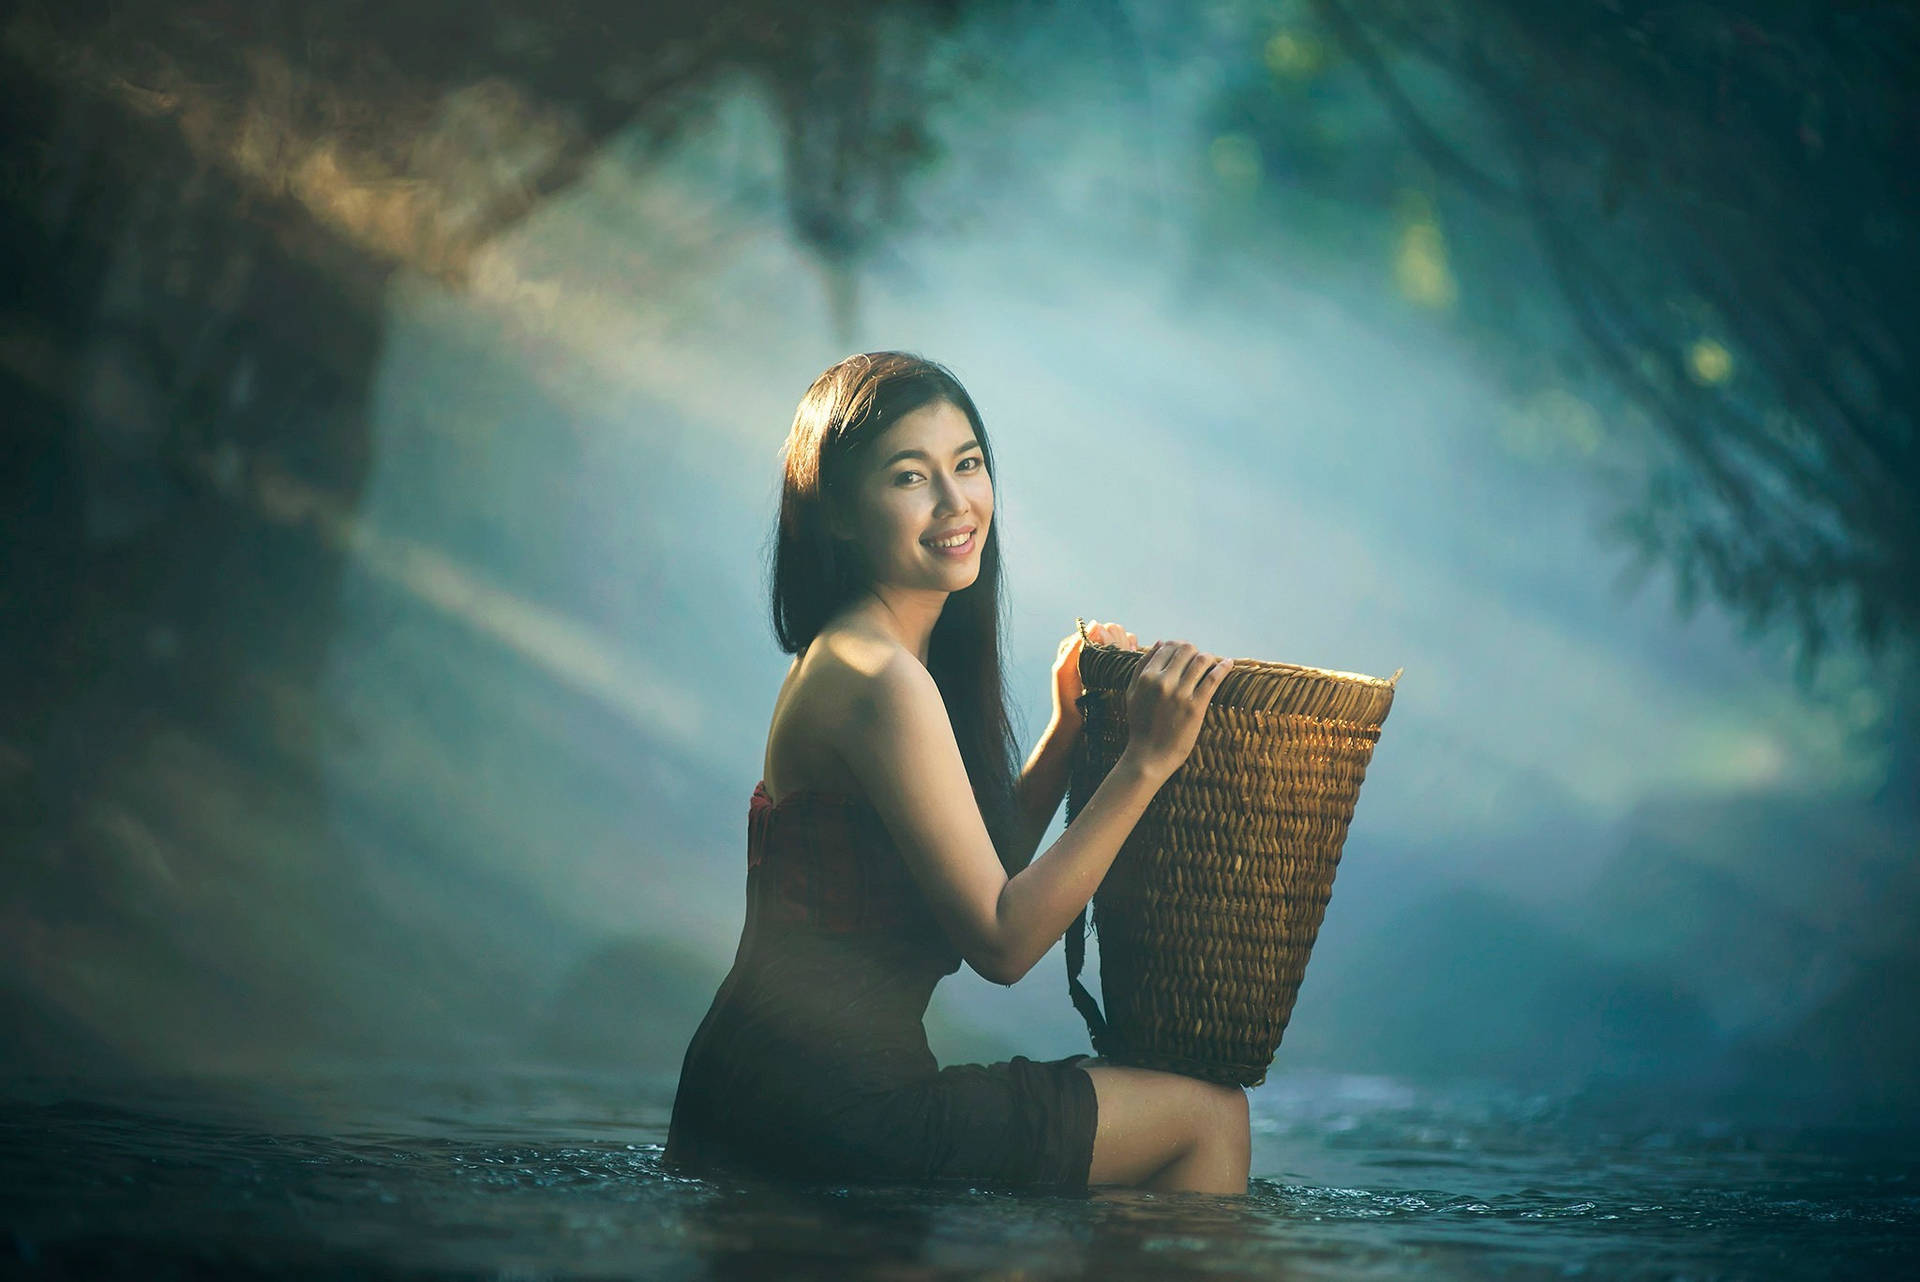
550, 1174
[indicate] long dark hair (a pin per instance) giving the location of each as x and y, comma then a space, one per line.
815, 574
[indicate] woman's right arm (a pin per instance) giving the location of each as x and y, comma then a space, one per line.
899, 743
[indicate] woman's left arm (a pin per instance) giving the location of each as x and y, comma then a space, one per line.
1043, 780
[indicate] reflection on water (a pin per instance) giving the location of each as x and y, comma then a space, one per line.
538, 1175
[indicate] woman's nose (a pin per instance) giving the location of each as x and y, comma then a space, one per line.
951, 498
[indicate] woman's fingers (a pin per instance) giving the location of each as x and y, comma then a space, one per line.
1193, 669
1168, 657
1167, 701
1183, 666
1111, 634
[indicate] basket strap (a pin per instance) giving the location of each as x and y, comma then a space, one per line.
1077, 933
1082, 999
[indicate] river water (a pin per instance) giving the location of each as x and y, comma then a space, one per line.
542, 1174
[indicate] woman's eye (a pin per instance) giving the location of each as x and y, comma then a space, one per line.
977, 464
900, 478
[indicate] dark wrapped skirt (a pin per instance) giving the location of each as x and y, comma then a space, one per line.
813, 1064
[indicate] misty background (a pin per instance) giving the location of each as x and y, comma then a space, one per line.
393, 404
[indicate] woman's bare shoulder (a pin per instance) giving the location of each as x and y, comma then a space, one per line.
832, 691
851, 670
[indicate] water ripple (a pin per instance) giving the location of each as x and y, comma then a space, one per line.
1355, 1178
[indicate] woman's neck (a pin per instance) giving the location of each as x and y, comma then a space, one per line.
906, 614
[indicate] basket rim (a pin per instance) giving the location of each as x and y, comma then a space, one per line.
1267, 667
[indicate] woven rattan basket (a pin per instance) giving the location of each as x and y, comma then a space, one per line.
1211, 908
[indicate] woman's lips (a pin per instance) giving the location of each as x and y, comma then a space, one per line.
963, 549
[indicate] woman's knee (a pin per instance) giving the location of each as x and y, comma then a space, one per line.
1222, 1110
1175, 1110
1151, 1120
1237, 1116
1170, 1091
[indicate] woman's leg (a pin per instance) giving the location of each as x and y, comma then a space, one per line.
1168, 1132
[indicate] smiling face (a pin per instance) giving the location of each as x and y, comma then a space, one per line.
923, 483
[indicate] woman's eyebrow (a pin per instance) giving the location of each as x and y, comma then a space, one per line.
900, 454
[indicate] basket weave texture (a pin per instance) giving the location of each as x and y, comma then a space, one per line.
1210, 910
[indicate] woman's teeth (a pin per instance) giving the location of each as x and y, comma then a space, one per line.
953, 542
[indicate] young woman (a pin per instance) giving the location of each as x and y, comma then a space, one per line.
891, 838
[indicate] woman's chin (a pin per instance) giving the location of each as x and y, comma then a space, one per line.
957, 581
943, 579
963, 576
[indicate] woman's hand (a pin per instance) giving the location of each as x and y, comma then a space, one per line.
1166, 702
1067, 687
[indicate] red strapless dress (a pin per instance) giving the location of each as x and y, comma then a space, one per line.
813, 1061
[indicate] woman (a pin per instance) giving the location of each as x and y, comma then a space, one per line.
890, 838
